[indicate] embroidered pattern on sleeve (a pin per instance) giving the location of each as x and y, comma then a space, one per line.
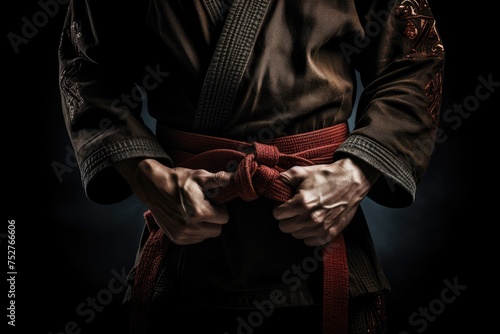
69, 88
420, 28
433, 91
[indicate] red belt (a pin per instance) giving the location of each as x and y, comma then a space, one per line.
257, 169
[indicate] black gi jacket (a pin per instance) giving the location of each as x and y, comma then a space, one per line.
253, 70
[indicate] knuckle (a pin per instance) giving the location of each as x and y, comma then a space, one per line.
333, 231
296, 170
306, 200
220, 178
315, 218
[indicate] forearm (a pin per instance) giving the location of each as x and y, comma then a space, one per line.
128, 168
144, 175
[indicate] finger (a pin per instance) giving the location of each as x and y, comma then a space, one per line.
212, 183
318, 216
216, 215
285, 211
214, 180
196, 232
210, 230
309, 221
207, 212
294, 176
222, 178
309, 232
293, 224
293, 207
201, 230
198, 208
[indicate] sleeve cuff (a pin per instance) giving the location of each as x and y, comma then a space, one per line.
397, 187
102, 183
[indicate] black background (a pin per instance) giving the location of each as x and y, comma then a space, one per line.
67, 247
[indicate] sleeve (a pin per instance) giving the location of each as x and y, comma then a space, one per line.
103, 72
400, 59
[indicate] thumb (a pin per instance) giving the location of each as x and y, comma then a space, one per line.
219, 179
294, 176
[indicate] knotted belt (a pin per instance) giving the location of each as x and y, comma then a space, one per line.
256, 168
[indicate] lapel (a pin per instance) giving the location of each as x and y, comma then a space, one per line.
217, 9
231, 56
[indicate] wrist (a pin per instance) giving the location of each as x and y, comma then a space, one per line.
130, 168
362, 171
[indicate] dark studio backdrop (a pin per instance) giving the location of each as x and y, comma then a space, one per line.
71, 254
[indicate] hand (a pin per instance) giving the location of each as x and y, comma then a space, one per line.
326, 199
176, 198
